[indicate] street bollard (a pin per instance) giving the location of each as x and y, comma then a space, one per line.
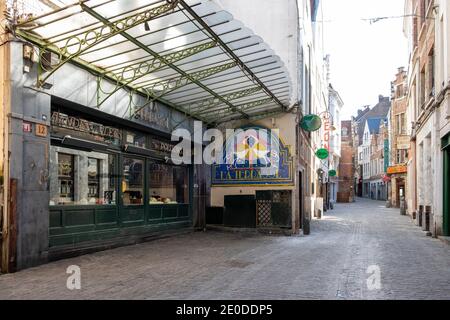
306, 227
402, 206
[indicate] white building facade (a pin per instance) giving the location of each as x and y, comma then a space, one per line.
427, 29
335, 108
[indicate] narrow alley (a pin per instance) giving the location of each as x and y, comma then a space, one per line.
331, 263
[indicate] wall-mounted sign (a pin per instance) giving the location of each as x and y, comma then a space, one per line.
332, 173
41, 130
397, 169
27, 127
254, 158
161, 146
311, 122
153, 115
322, 154
94, 130
403, 142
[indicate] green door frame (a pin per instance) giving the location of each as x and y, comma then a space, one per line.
123, 208
446, 185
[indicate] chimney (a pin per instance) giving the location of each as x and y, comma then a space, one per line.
381, 98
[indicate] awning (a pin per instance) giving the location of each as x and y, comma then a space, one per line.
190, 55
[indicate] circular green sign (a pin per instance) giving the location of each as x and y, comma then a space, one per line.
311, 122
332, 173
322, 154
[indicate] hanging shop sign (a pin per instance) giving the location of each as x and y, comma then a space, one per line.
85, 128
386, 154
326, 119
253, 158
397, 169
311, 123
322, 154
332, 173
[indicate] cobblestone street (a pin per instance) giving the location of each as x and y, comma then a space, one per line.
329, 264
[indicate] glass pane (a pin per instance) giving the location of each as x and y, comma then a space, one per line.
168, 184
93, 180
110, 177
133, 182
82, 178
65, 178
136, 139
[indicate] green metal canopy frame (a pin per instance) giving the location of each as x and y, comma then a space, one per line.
212, 68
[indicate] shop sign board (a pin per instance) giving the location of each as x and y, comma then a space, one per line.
403, 142
154, 115
326, 121
254, 159
161, 146
322, 154
94, 130
311, 122
397, 169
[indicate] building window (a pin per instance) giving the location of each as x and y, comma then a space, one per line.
133, 181
423, 8
401, 123
431, 69
66, 181
415, 32
422, 81
93, 180
84, 178
136, 139
401, 156
168, 184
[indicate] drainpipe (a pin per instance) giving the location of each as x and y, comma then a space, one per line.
5, 104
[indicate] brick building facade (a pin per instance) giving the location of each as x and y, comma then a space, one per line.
346, 165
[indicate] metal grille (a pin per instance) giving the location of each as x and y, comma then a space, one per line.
274, 208
264, 208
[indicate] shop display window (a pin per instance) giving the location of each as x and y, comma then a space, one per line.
93, 179
168, 184
133, 181
65, 178
84, 178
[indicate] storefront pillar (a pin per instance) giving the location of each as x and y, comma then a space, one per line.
201, 195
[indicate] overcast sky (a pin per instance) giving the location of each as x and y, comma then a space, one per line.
364, 56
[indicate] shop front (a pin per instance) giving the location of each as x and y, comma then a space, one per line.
398, 176
255, 186
110, 180
93, 99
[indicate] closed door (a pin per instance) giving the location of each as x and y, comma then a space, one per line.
446, 194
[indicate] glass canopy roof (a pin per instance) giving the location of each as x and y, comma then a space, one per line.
190, 55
